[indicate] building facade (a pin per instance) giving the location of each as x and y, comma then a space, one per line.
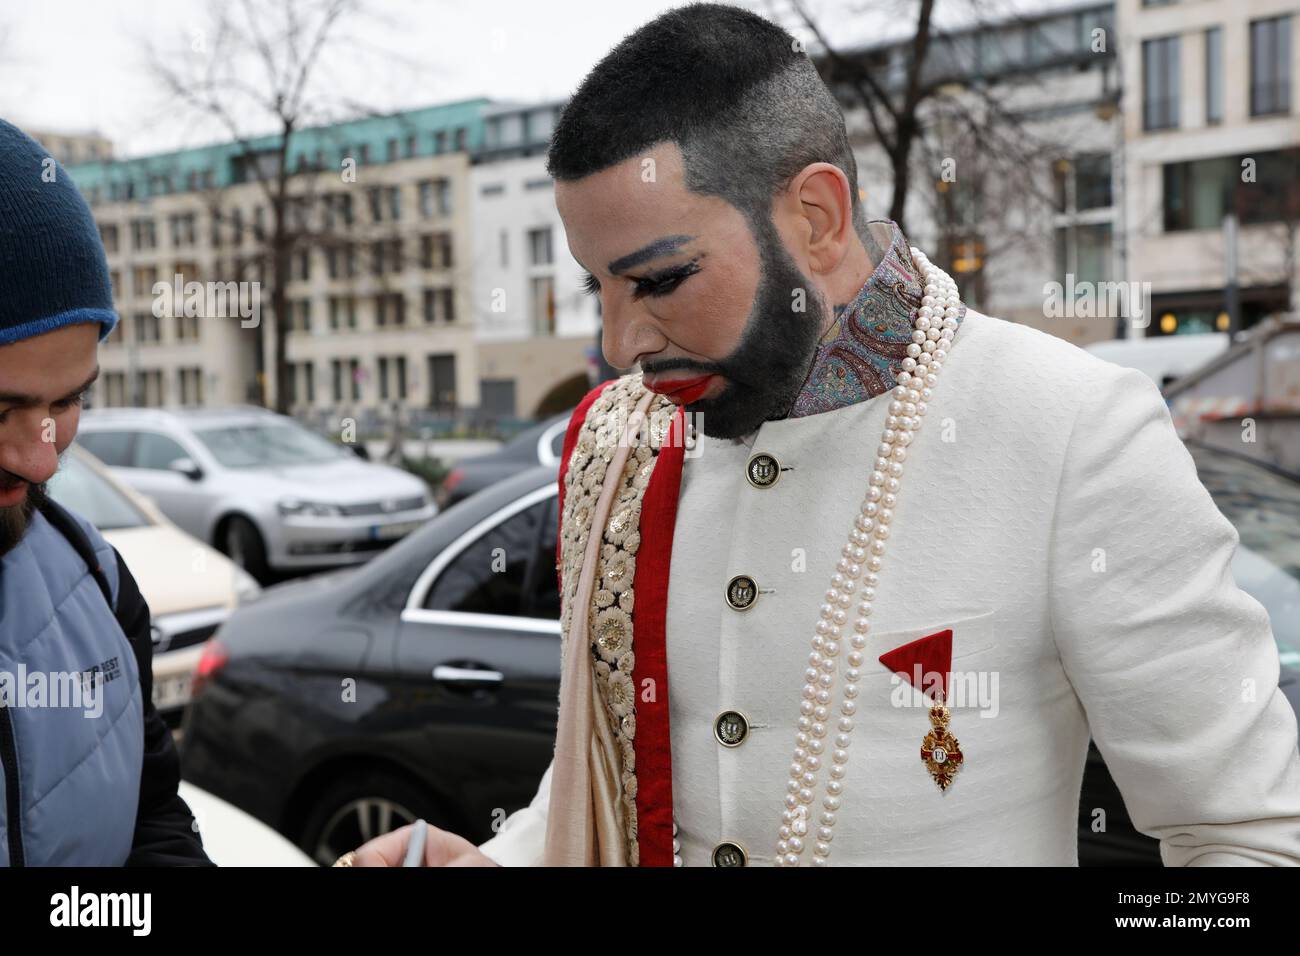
429, 275
1015, 177
536, 327
1212, 157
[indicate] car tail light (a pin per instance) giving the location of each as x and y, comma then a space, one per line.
449, 485
214, 658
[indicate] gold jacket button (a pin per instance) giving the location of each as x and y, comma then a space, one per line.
762, 470
729, 854
742, 592
731, 727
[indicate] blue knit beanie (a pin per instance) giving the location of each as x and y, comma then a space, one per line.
52, 267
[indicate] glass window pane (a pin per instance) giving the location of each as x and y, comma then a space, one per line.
489, 576
156, 451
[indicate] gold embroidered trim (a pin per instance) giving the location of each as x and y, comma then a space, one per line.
611, 626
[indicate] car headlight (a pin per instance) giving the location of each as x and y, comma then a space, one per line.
246, 586
296, 506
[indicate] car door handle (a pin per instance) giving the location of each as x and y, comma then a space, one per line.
445, 672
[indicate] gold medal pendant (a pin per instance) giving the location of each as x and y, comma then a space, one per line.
940, 751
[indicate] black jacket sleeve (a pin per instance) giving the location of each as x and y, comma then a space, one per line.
165, 831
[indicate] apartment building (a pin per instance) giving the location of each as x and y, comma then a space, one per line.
1015, 180
380, 309
536, 327
1212, 159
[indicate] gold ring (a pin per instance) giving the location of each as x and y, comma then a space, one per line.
346, 859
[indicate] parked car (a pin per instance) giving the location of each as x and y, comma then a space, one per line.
420, 685
1163, 358
425, 684
266, 491
190, 588
540, 444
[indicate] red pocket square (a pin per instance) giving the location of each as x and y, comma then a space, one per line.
922, 659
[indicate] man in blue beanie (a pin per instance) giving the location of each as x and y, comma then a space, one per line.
89, 770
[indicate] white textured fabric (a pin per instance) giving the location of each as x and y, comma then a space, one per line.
1051, 517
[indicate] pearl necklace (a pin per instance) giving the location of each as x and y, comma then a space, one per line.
934, 327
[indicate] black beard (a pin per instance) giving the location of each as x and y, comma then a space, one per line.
15, 519
766, 371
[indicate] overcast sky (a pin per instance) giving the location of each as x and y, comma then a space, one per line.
82, 64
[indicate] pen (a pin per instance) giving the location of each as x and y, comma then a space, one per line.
415, 849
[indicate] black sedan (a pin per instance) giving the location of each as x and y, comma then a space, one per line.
425, 684
539, 444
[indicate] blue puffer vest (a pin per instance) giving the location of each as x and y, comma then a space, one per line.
71, 777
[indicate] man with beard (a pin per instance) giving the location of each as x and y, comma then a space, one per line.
83, 785
777, 649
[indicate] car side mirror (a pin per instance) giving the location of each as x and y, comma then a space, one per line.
187, 467
360, 450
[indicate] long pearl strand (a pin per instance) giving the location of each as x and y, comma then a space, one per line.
933, 329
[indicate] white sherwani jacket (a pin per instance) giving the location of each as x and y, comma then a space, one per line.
1050, 517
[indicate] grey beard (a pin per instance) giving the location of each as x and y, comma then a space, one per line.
768, 369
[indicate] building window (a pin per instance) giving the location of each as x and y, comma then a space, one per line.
392, 150
383, 378
114, 388
143, 278
442, 382
108, 236
148, 328
143, 235
539, 246
1258, 188
505, 248
149, 388
191, 382
354, 376
336, 378
1270, 66
187, 328
1160, 83
182, 229
343, 312
390, 309
435, 198
1213, 76
541, 291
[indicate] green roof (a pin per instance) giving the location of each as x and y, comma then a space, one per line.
365, 139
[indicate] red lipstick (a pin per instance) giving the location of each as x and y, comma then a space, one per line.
682, 391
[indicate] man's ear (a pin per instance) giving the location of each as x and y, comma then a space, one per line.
818, 197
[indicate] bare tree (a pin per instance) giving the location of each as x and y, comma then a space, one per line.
258, 71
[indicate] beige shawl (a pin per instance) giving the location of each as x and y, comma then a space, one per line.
584, 823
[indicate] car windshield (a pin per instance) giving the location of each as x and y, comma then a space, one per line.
1264, 507
78, 487
265, 444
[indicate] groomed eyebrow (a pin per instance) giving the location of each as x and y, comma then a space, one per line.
660, 247
26, 401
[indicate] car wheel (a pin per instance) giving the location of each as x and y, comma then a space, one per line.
242, 543
351, 812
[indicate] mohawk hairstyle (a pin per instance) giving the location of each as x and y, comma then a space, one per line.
744, 104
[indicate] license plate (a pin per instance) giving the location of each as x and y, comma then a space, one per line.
171, 692
382, 532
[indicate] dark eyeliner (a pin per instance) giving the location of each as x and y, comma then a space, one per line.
665, 282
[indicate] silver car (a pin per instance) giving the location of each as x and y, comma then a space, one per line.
266, 491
